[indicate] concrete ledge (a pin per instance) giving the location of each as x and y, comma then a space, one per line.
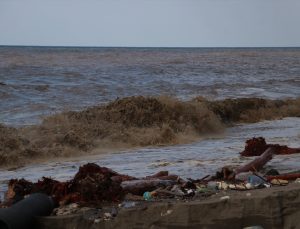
277, 207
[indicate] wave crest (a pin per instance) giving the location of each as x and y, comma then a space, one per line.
134, 121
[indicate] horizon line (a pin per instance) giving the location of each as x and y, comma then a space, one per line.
154, 47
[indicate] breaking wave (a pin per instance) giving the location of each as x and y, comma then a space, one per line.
134, 122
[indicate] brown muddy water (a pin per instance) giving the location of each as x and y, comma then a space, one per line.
172, 127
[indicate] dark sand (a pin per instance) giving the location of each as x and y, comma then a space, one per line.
276, 207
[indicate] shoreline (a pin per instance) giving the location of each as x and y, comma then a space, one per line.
165, 200
45, 165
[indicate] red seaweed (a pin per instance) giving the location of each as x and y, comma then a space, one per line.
256, 147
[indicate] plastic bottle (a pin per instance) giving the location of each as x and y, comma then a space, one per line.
255, 180
147, 196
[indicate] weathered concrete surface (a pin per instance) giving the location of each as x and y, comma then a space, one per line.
277, 207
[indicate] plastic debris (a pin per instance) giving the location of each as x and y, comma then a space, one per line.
255, 180
177, 190
203, 189
243, 176
147, 196
222, 185
213, 185
128, 204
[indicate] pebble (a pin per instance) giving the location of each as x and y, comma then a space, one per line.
107, 215
67, 210
249, 186
225, 198
114, 212
254, 227
168, 212
128, 204
97, 220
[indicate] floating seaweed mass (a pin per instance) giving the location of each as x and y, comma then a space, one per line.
256, 147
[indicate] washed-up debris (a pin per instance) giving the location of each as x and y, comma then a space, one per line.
93, 185
256, 180
272, 172
148, 196
177, 191
286, 176
258, 162
229, 173
222, 185
138, 187
243, 176
279, 182
127, 204
225, 198
240, 187
66, 210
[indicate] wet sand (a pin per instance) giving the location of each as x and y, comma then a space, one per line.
276, 207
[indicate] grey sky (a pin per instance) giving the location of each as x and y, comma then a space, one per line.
150, 22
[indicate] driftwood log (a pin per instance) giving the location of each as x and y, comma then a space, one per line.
150, 183
228, 173
258, 163
138, 187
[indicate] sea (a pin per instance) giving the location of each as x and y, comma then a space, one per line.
36, 82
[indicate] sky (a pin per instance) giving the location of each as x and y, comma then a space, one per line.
151, 23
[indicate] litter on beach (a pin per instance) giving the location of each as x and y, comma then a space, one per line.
93, 185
